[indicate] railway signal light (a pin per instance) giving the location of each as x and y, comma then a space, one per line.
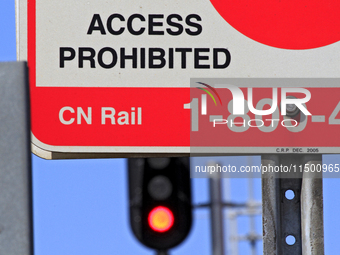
160, 201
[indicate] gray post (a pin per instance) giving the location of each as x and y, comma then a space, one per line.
252, 234
299, 217
270, 200
216, 214
16, 236
312, 209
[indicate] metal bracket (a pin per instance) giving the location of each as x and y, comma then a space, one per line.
285, 232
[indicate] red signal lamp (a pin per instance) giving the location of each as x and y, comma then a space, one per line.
161, 219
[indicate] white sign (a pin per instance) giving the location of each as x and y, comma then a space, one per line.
110, 78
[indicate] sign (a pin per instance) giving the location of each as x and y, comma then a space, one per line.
112, 78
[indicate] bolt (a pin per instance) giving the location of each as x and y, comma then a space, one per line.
291, 109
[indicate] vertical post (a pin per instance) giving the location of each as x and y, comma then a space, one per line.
216, 213
312, 208
281, 215
252, 235
299, 216
15, 161
228, 221
270, 205
233, 230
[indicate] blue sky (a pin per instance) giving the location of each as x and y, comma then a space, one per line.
80, 206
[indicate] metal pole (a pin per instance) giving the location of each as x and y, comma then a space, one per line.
233, 233
226, 196
281, 215
16, 235
299, 216
270, 200
312, 209
252, 234
216, 213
